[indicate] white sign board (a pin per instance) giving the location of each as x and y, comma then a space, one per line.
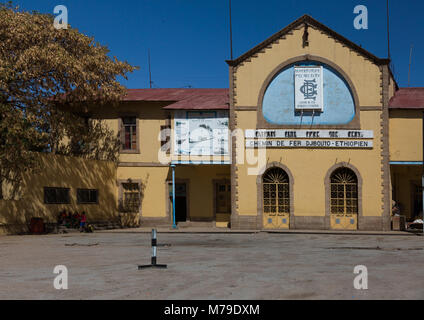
309, 134
201, 133
308, 88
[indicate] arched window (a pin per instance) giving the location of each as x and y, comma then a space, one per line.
276, 197
344, 192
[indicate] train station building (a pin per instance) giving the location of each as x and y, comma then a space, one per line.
313, 133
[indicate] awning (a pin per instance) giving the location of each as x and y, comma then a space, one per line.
200, 162
407, 163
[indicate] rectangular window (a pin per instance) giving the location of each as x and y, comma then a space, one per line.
88, 196
56, 195
129, 141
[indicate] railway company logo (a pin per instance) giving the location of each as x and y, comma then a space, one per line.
309, 89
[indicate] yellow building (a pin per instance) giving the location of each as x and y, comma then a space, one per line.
319, 104
62, 183
313, 133
406, 150
147, 120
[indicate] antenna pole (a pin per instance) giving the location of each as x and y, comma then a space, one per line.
410, 62
150, 72
388, 31
231, 33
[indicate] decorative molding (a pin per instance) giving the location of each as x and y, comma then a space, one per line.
385, 155
233, 124
120, 182
367, 108
250, 108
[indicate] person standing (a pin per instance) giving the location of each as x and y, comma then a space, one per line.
83, 221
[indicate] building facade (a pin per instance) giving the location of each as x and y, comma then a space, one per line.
313, 133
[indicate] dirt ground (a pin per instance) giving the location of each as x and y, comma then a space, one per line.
212, 266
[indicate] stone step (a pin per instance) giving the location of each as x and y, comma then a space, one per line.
190, 224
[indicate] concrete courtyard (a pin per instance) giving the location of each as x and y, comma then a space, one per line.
103, 265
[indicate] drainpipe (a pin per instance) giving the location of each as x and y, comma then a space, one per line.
174, 225
422, 177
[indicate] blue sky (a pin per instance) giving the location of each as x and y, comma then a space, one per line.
189, 39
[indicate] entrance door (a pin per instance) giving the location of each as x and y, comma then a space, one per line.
276, 199
222, 204
417, 205
223, 198
344, 200
180, 201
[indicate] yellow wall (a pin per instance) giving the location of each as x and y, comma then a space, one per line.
153, 181
155, 200
151, 117
309, 166
67, 172
405, 135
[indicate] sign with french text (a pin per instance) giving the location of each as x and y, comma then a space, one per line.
302, 143
316, 134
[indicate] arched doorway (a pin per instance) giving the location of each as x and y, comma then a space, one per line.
344, 199
276, 199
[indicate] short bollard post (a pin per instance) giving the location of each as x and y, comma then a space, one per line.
154, 253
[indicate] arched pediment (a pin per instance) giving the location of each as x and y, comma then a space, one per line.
278, 104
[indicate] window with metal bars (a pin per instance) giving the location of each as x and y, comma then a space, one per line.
56, 195
276, 191
344, 192
131, 198
88, 196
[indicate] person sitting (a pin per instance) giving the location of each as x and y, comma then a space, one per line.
395, 209
64, 217
77, 219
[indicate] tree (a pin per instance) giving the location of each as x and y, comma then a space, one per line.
48, 78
